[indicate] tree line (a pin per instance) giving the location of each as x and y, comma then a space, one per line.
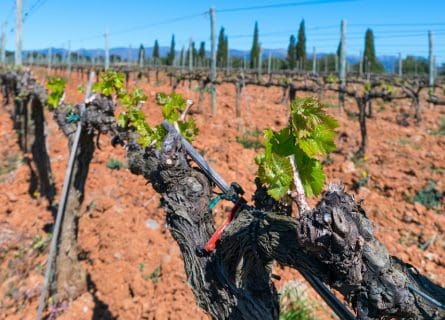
297, 57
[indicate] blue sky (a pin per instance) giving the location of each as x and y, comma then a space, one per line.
398, 25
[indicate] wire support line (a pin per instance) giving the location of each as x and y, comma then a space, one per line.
33, 8
147, 26
282, 5
10, 13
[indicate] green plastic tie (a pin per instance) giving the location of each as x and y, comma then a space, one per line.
214, 202
72, 118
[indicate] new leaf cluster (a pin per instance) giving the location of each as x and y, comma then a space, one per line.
56, 88
173, 106
133, 118
308, 137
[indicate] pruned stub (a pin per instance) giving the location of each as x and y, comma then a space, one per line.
98, 115
329, 233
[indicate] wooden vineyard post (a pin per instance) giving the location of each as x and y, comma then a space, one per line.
239, 86
190, 55
107, 53
18, 33
69, 57
342, 73
430, 59
314, 61
191, 46
213, 60
129, 55
431, 66
50, 56
3, 45
400, 70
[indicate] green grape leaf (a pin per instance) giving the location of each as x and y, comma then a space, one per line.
122, 120
81, 88
188, 129
162, 98
282, 142
276, 172
110, 82
319, 143
56, 88
171, 105
306, 115
311, 174
309, 134
367, 87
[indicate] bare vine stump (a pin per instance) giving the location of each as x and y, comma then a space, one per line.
238, 99
45, 183
361, 103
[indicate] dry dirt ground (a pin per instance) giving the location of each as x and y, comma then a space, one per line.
134, 266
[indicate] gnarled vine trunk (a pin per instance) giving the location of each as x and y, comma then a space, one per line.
361, 103
334, 241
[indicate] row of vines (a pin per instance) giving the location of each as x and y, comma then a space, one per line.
333, 242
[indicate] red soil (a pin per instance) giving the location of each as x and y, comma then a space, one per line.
120, 252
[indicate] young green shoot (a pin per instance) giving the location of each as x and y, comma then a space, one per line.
174, 109
292, 158
56, 88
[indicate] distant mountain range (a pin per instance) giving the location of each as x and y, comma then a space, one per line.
388, 61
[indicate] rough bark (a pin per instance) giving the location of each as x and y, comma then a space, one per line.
334, 241
45, 182
361, 103
417, 108
238, 99
369, 111
29, 121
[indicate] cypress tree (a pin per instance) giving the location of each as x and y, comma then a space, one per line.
371, 64
221, 49
291, 51
202, 52
156, 50
226, 51
171, 54
255, 51
301, 45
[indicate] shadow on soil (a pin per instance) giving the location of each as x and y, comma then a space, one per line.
101, 311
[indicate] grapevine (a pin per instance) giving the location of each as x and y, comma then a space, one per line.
308, 137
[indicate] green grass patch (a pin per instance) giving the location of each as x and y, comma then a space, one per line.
429, 196
407, 142
251, 139
115, 164
9, 162
441, 130
294, 303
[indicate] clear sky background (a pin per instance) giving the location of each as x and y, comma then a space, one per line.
398, 25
